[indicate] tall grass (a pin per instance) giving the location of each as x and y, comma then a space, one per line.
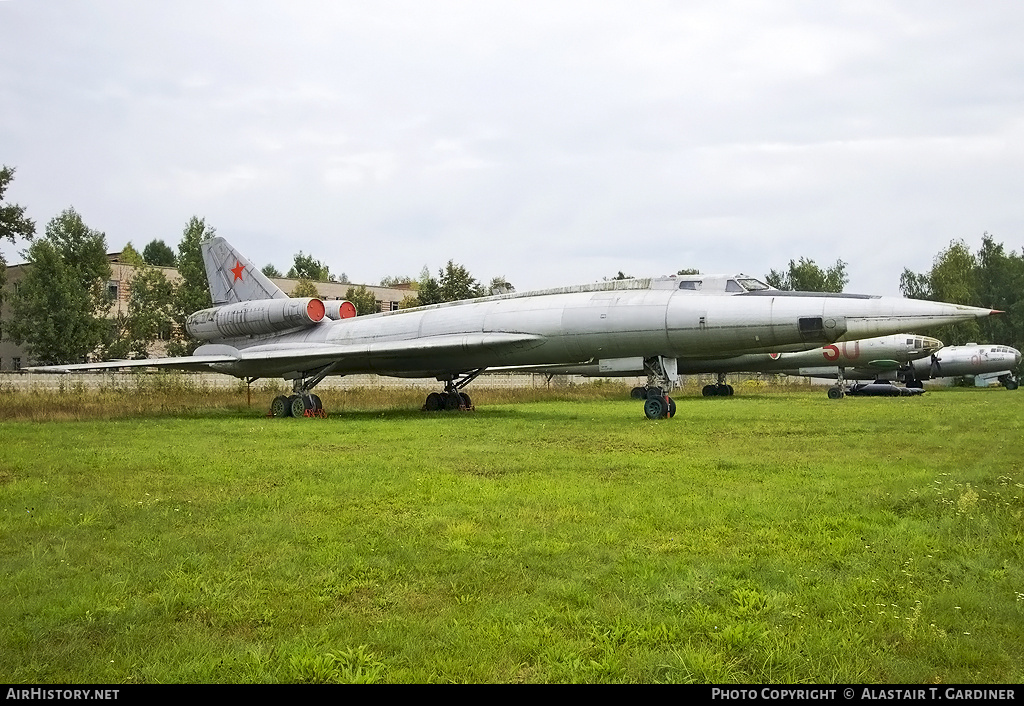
776, 536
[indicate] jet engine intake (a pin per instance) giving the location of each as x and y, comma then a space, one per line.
253, 318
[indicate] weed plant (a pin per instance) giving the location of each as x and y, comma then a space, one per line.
177, 535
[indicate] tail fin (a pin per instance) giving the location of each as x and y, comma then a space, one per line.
232, 277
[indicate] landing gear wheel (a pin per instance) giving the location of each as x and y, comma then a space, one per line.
317, 404
1012, 384
835, 393
451, 400
280, 407
467, 403
434, 402
638, 393
728, 390
709, 390
298, 405
655, 407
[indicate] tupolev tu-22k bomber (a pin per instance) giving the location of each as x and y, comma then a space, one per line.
254, 330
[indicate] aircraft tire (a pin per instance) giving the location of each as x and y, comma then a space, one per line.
835, 393
317, 402
467, 403
709, 391
655, 408
1011, 384
451, 401
280, 407
434, 402
298, 405
728, 391
638, 393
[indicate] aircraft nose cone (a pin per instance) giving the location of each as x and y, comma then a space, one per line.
1016, 356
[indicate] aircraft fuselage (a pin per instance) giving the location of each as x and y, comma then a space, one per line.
597, 321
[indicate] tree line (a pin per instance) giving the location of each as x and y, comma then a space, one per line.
61, 307
60, 310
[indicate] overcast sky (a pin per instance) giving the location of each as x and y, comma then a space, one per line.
553, 142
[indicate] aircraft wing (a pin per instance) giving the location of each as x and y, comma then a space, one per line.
442, 353
188, 362
434, 352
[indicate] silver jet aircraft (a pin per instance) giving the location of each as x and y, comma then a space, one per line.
985, 363
878, 358
254, 330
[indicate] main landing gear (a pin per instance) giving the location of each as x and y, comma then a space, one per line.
719, 389
453, 398
659, 405
302, 402
838, 391
297, 406
661, 378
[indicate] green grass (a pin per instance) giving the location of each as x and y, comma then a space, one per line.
775, 536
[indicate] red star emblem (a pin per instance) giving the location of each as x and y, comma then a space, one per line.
238, 269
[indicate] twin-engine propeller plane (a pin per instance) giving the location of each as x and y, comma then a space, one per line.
254, 330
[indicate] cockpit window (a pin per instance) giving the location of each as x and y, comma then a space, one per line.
690, 284
751, 285
733, 286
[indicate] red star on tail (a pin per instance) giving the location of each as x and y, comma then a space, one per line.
238, 269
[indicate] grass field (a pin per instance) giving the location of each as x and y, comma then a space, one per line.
775, 536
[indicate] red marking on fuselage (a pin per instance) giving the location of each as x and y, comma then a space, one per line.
238, 269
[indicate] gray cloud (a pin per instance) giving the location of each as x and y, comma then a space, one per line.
549, 143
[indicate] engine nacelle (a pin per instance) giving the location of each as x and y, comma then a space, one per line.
253, 318
338, 309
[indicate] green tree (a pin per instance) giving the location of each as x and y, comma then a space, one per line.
397, 281
409, 301
271, 271
305, 288
807, 276
131, 256
13, 223
993, 278
307, 267
457, 284
150, 317
59, 311
159, 253
1000, 285
500, 285
364, 300
193, 291
428, 290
